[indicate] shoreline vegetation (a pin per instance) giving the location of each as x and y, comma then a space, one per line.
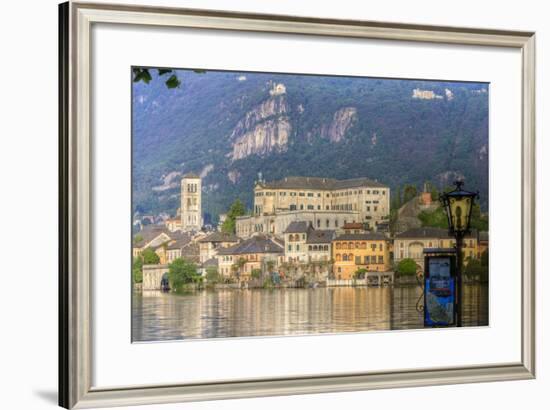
184, 276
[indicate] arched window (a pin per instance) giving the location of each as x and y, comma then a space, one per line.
315, 248
309, 247
345, 257
326, 247
350, 257
363, 245
337, 245
338, 257
350, 245
356, 245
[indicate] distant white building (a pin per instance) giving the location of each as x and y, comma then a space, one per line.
191, 208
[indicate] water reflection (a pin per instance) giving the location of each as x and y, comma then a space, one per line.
259, 312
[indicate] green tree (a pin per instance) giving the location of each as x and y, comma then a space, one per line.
406, 267
212, 275
137, 270
435, 219
138, 238
396, 199
236, 209
485, 258
149, 257
182, 272
142, 74
409, 192
256, 273
270, 265
360, 273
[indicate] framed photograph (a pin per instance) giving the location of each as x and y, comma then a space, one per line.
307, 205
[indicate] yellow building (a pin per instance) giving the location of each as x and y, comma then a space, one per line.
351, 252
411, 244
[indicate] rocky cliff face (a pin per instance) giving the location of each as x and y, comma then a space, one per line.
264, 129
342, 121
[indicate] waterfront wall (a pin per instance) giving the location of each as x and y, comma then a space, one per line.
152, 276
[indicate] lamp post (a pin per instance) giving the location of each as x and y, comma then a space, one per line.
458, 205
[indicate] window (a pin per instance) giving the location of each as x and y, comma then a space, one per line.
345, 257
336, 223
380, 259
293, 207
310, 248
310, 207
318, 223
358, 260
297, 248
328, 223
338, 245
310, 194
319, 207
301, 194
375, 208
327, 208
368, 208
290, 248
381, 247
367, 260
302, 206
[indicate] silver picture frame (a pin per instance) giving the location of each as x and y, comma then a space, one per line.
75, 230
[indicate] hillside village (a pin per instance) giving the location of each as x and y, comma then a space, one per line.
302, 231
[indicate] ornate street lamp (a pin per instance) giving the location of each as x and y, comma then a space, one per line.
458, 205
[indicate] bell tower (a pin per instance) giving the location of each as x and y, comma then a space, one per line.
191, 212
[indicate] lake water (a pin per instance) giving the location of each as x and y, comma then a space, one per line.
260, 312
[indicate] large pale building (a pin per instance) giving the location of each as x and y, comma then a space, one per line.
191, 211
325, 203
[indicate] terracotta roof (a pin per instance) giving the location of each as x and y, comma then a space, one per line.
321, 183
297, 227
180, 241
320, 236
255, 244
150, 232
353, 225
190, 252
370, 236
210, 262
220, 237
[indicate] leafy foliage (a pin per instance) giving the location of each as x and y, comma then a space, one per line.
182, 272
360, 273
149, 257
212, 275
256, 273
406, 267
409, 192
237, 209
137, 270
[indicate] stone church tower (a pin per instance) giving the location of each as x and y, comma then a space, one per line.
191, 212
